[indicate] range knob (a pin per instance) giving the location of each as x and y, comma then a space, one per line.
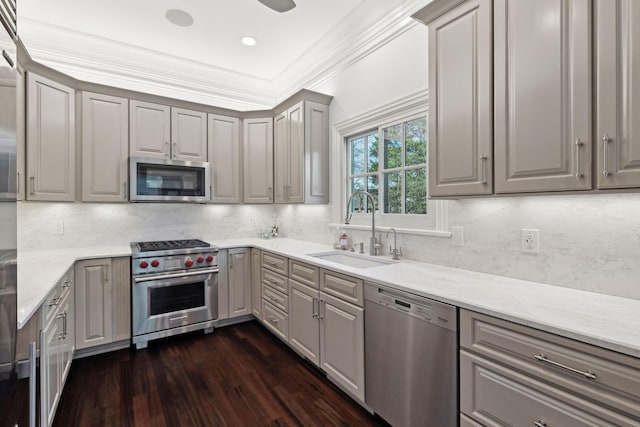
200, 260
155, 263
188, 262
144, 264
210, 258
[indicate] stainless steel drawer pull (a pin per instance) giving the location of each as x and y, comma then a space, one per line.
540, 423
314, 312
273, 319
579, 144
605, 147
33, 185
542, 358
483, 160
54, 301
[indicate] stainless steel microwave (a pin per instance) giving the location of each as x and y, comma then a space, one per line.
160, 180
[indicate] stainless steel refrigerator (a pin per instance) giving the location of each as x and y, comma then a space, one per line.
8, 225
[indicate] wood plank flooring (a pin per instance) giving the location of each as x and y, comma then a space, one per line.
240, 375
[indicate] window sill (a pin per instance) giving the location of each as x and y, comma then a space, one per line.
410, 231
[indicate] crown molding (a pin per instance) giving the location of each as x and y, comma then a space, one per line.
105, 61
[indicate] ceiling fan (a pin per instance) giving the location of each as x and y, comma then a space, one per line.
279, 5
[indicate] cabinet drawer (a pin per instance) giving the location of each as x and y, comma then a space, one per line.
276, 320
276, 263
342, 286
304, 273
495, 395
602, 375
276, 298
275, 280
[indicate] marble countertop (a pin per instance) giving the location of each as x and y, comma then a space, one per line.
606, 321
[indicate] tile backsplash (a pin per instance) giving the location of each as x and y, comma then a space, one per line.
589, 242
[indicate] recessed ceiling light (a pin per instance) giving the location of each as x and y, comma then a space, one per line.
179, 17
248, 41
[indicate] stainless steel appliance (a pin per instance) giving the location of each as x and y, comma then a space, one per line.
154, 180
8, 226
411, 358
174, 288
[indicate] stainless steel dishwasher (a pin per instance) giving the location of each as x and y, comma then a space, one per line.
411, 358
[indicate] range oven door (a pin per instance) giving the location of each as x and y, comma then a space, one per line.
168, 301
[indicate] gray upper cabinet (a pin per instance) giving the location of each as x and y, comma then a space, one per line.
105, 148
258, 160
50, 140
460, 101
542, 75
188, 135
224, 158
149, 130
618, 100
301, 153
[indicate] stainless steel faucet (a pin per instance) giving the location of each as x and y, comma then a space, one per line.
395, 253
374, 243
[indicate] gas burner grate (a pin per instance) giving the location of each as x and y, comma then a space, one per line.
164, 245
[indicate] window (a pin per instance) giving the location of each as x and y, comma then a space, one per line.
391, 164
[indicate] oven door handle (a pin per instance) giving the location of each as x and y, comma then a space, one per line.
174, 275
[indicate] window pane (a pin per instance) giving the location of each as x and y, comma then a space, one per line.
416, 141
393, 192
372, 187
393, 147
416, 191
372, 143
357, 156
357, 204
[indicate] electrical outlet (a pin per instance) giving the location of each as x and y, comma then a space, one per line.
530, 240
58, 228
457, 236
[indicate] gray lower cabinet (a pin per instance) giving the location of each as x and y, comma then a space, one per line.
105, 148
239, 267
304, 321
515, 375
57, 345
256, 283
618, 99
103, 298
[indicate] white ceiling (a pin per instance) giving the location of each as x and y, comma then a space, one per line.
130, 44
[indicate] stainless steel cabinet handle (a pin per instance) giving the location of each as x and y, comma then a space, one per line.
231, 261
166, 154
483, 161
32, 383
61, 334
286, 192
270, 191
54, 301
106, 272
540, 423
66, 284
175, 148
314, 313
320, 304
587, 374
124, 190
17, 182
272, 319
605, 147
33, 185
579, 144
64, 325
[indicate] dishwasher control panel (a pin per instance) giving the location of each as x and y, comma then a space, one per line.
416, 306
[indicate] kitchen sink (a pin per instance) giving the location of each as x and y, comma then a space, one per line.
352, 259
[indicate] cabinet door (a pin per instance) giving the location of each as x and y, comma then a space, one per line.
280, 157
105, 148
304, 324
224, 158
342, 343
460, 101
188, 135
256, 283
50, 140
21, 133
50, 371
316, 152
68, 337
121, 301
542, 95
94, 302
294, 190
258, 160
618, 98
149, 130
239, 263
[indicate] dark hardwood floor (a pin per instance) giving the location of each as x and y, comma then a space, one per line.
240, 375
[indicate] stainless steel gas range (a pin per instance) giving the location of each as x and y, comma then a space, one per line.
174, 288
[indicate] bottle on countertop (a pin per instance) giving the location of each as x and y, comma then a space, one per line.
344, 241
